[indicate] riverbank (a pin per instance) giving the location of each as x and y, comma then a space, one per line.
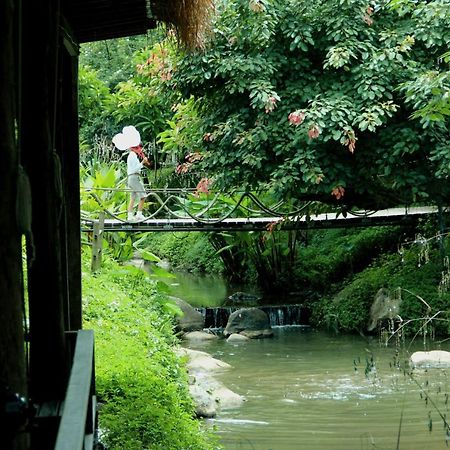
336, 274
142, 386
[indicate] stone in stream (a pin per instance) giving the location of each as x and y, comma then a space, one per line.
209, 394
434, 359
191, 320
250, 322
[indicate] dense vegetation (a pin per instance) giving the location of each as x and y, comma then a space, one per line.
141, 384
340, 101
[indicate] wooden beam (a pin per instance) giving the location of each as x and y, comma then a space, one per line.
12, 358
46, 288
68, 152
78, 419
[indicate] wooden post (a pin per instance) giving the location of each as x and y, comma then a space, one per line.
97, 243
12, 357
49, 365
68, 153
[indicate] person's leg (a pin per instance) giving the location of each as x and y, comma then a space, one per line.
131, 203
134, 186
141, 204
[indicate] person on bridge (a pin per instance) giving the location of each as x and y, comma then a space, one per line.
130, 140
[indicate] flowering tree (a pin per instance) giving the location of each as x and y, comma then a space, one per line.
314, 100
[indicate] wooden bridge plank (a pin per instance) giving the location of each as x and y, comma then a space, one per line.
326, 220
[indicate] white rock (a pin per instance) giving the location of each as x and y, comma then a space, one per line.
236, 337
199, 336
432, 359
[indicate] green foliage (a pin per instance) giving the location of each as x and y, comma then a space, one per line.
141, 384
330, 257
120, 84
112, 59
182, 133
191, 252
309, 98
102, 188
348, 310
93, 95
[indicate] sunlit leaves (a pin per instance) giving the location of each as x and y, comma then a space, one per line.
317, 105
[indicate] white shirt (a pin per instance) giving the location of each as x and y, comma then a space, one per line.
134, 166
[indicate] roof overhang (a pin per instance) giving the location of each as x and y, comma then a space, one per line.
95, 20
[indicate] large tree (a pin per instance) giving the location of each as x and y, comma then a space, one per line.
315, 99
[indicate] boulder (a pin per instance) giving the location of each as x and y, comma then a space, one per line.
199, 336
235, 337
250, 322
436, 359
191, 320
198, 361
209, 394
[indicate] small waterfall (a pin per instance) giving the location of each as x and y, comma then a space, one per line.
279, 315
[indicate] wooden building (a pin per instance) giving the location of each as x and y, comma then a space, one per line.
41, 316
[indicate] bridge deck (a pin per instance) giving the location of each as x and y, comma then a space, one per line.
327, 220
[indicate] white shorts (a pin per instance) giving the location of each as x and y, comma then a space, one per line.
136, 186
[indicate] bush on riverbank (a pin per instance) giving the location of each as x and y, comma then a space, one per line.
418, 282
141, 385
186, 251
339, 272
330, 257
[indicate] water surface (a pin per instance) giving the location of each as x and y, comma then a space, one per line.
312, 390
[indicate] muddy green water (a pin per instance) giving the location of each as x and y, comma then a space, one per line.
310, 390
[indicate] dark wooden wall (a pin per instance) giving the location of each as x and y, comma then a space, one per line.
39, 132
12, 358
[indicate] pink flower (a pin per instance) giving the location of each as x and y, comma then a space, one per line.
271, 104
314, 132
296, 118
203, 185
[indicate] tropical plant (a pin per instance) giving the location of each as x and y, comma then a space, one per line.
142, 386
309, 99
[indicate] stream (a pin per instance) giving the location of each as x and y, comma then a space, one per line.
313, 390
309, 390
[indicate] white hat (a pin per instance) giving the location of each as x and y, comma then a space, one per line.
129, 137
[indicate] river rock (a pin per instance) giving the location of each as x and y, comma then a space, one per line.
198, 361
199, 336
436, 359
209, 394
250, 322
191, 320
235, 337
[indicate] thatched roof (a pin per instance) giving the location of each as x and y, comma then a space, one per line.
93, 20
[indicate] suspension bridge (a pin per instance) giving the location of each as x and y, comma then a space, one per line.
170, 210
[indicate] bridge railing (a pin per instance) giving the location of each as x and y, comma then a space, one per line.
78, 425
189, 204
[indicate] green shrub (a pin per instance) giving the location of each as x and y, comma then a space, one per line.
141, 385
188, 251
348, 310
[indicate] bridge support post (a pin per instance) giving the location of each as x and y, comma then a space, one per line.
97, 243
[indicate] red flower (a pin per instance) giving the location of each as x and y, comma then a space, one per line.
338, 192
296, 118
314, 132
